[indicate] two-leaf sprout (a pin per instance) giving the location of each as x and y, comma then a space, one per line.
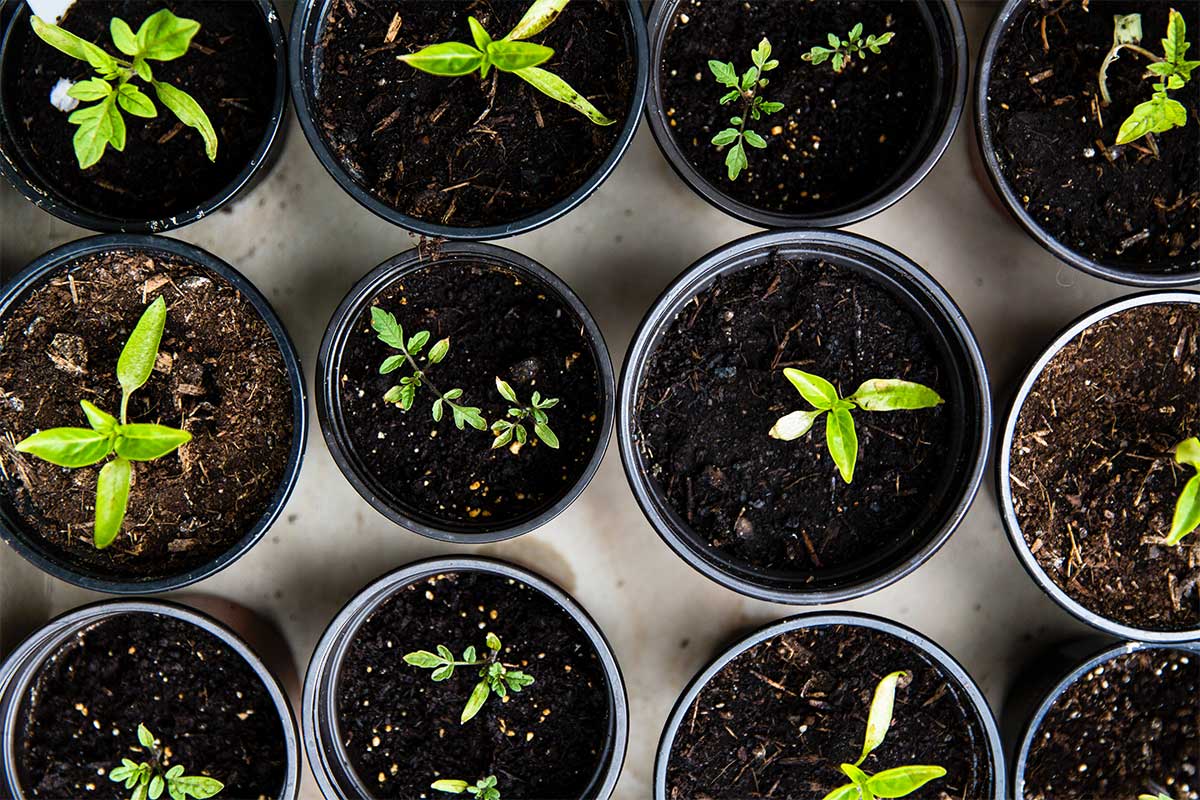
510, 54
841, 52
82, 447
149, 779
162, 37
747, 88
896, 782
1187, 508
877, 394
494, 676
507, 430
485, 789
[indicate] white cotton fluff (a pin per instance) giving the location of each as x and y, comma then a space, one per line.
59, 97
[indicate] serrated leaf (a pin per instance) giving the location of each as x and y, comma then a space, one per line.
164, 36
558, 89
842, 441
146, 442
724, 73
390, 331
447, 59
880, 394
1157, 115
68, 447
189, 112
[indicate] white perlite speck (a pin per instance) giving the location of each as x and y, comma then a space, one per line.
59, 97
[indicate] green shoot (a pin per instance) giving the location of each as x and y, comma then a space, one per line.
897, 782
495, 676
842, 51
149, 779
1160, 113
82, 447
876, 394
1187, 508
1159, 796
404, 395
484, 790
506, 430
162, 37
753, 105
510, 54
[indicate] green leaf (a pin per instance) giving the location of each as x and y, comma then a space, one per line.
123, 36
813, 388
143, 69
818, 55
468, 415
517, 680
450, 787
860, 781
189, 112
730, 96
157, 784
438, 410
761, 54
1174, 45
389, 330
443, 673
140, 792
198, 786
99, 126
479, 34
423, 659
1188, 452
174, 772
546, 435
772, 108
856, 32
1157, 115
512, 56
146, 442
556, 88
505, 436
880, 717
847, 792
135, 101
68, 447
112, 497
879, 394
725, 74
67, 42
446, 59
493, 642
735, 161
478, 697
136, 362
726, 137
417, 343
1187, 512
902, 781
539, 17
100, 420
391, 364
164, 36
754, 140
795, 425
439, 351
506, 391
469, 655
91, 89
842, 441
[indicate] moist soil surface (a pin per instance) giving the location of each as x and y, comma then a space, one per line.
1094, 478
840, 138
163, 171
220, 376
780, 719
1128, 727
402, 730
715, 387
499, 324
1056, 144
465, 151
199, 698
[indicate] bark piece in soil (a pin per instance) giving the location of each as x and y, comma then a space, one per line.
840, 138
401, 730
461, 151
1093, 475
500, 324
220, 376
714, 388
196, 695
163, 171
1126, 725
1117, 205
779, 719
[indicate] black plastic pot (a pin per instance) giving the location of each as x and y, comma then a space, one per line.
1108, 270
322, 741
1004, 463
679, 715
31, 546
946, 28
921, 295
308, 26
333, 426
24, 177
21, 668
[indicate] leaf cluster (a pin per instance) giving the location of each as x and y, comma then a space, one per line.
149, 781
495, 677
506, 430
510, 54
162, 37
485, 789
1187, 508
754, 106
877, 394
1161, 112
83, 447
841, 52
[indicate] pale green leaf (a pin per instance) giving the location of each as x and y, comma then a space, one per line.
423, 659
795, 425
735, 161
98, 127
389, 330
68, 447
880, 717
556, 88
156, 787
479, 34
902, 781
198, 786
100, 420
512, 56
135, 101
164, 36
438, 351
847, 792
123, 36
813, 388
478, 697
136, 362
754, 140
145, 737
725, 74
450, 787
727, 136
506, 391
539, 17
74, 46
189, 112
417, 343
547, 436
880, 394
493, 642
842, 441
446, 59
112, 497
1187, 512
860, 781
1188, 452
91, 89
146, 442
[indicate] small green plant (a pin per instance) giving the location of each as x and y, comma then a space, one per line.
494, 676
404, 394
82, 447
841, 52
1161, 112
1159, 796
150, 778
510, 54
876, 394
747, 89
1187, 508
484, 790
507, 430
897, 782
162, 37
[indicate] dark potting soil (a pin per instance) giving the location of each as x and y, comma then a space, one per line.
163, 171
1094, 478
402, 730
780, 719
220, 376
465, 151
715, 387
499, 324
839, 138
1055, 144
1130, 726
201, 700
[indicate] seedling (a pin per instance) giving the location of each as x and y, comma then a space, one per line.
747, 88
896, 782
1187, 508
507, 430
82, 447
484, 790
404, 395
877, 394
510, 54
162, 37
495, 676
1161, 112
150, 779
841, 52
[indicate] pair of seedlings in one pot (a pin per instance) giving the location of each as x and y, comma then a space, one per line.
149, 779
